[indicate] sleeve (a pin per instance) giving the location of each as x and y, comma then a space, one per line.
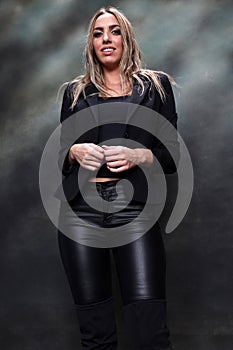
66, 104
67, 133
167, 149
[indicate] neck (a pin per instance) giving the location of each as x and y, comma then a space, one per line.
113, 82
112, 77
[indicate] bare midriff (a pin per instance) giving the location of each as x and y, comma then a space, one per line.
103, 179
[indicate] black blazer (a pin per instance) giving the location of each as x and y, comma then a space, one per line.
132, 118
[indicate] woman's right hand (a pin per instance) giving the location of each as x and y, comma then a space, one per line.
88, 155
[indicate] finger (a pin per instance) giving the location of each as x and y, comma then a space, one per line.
118, 170
95, 151
107, 147
112, 158
89, 167
97, 147
112, 152
117, 163
95, 154
92, 163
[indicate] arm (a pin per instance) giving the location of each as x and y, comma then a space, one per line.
73, 154
170, 139
66, 134
121, 158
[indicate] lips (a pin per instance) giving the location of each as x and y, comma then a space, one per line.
107, 49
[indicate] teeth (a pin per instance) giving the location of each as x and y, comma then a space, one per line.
106, 50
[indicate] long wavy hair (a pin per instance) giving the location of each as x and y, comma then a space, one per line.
130, 64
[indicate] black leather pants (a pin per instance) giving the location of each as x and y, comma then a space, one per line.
140, 267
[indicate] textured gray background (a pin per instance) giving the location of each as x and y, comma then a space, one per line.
41, 45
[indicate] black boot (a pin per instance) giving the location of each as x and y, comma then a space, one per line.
97, 325
147, 326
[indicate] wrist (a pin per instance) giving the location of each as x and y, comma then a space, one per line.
145, 156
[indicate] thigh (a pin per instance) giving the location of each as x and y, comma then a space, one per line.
141, 267
88, 270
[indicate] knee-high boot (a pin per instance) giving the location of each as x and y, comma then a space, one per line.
147, 325
97, 325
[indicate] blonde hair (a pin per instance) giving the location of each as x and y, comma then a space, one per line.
130, 64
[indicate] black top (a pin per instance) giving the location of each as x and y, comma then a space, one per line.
107, 134
165, 146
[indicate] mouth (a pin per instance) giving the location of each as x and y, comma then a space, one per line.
108, 49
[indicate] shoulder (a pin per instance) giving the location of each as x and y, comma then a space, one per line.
156, 80
68, 97
150, 75
165, 81
72, 86
162, 77
78, 87
68, 89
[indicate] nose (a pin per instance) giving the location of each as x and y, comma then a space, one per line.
106, 36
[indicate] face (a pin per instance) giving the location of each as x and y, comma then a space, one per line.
107, 41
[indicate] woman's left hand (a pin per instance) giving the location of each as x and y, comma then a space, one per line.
120, 158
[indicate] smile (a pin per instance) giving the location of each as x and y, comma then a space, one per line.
108, 49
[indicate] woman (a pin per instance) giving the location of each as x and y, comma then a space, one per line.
114, 73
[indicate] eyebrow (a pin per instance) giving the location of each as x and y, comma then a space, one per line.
110, 27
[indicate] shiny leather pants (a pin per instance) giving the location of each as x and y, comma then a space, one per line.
140, 267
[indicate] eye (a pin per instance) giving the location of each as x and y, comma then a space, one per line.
116, 32
97, 34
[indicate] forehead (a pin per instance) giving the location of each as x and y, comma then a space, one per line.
105, 20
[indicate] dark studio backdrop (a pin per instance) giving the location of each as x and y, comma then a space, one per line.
41, 44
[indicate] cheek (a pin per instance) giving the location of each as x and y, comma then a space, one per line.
96, 45
121, 44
